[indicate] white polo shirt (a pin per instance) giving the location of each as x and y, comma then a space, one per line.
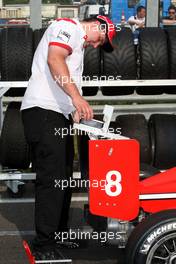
42, 90
136, 19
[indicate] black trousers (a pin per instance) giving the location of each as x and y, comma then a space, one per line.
52, 159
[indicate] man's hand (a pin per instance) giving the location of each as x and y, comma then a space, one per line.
75, 117
83, 109
141, 25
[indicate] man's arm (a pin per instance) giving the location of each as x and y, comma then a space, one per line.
169, 22
132, 21
60, 73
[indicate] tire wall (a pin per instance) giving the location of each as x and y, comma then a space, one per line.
92, 64
154, 58
121, 63
16, 53
14, 149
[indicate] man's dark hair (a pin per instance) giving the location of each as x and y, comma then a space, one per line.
140, 8
171, 7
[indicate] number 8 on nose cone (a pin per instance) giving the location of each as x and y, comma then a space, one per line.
114, 178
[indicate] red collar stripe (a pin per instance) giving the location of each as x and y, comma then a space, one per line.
66, 19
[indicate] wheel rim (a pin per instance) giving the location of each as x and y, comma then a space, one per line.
164, 251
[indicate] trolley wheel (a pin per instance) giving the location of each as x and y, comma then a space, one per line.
153, 241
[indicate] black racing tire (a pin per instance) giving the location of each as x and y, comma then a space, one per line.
92, 66
16, 53
150, 237
135, 126
114, 128
37, 36
148, 90
147, 171
15, 152
154, 64
153, 54
162, 129
121, 62
171, 33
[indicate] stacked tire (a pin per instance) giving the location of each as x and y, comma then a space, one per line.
135, 126
16, 53
162, 129
154, 60
14, 150
37, 36
171, 34
156, 137
92, 64
121, 63
157, 61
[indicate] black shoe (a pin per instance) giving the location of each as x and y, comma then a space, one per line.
69, 244
53, 254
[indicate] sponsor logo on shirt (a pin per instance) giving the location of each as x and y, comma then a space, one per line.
64, 36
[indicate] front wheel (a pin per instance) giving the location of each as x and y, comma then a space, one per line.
153, 241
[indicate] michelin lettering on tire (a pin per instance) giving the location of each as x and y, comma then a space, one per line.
156, 233
150, 235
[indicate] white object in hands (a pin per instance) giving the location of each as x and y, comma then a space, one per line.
98, 129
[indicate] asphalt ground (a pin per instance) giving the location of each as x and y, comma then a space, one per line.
16, 224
